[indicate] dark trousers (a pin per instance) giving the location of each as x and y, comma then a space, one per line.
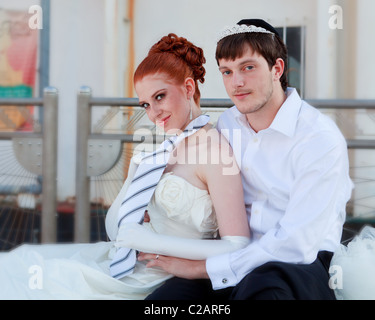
271, 281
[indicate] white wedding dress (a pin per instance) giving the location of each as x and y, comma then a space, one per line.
353, 266
81, 271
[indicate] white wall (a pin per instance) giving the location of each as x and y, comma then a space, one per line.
18, 5
365, 44
76, 59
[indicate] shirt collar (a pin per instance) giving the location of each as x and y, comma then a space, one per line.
286, 118
241, 118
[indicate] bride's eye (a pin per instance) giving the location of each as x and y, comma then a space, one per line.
144, 105
159, 97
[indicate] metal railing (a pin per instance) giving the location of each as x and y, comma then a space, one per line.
85, 102
49, 104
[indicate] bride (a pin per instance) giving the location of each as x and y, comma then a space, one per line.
197, 209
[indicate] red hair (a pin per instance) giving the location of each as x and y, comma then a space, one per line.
177, 58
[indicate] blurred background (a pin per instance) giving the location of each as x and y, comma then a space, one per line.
90, 48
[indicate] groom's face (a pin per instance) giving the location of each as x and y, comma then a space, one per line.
248, 81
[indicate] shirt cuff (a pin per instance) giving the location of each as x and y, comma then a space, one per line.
220, 272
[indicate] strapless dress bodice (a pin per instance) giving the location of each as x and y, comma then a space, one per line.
182, 209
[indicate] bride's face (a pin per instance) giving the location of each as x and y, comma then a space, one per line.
166, 103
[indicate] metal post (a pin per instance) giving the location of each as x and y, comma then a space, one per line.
82, 212
49, 165
44, 45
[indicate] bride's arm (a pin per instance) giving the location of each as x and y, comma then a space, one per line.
138, 237
111, 220
224, 183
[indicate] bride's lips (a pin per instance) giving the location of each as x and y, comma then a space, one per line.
163, 121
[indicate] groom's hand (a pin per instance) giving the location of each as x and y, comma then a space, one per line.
182, 268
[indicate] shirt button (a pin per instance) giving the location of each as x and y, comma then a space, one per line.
224, 281
255, 140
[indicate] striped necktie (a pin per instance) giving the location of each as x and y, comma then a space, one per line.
141, 190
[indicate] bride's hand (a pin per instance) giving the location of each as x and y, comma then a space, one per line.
182, 268
129, 234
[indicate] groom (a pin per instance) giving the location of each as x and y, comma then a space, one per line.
296, 182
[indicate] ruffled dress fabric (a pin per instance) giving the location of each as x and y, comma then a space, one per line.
81, 271
353, 266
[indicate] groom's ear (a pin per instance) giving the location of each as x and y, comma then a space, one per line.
278, 69
190, 87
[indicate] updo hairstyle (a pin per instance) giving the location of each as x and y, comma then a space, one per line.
177, 58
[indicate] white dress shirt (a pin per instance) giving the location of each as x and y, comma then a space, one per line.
296, 185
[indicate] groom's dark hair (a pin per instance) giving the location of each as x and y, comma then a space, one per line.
270, 46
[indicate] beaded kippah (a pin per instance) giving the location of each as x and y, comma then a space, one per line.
243, 28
